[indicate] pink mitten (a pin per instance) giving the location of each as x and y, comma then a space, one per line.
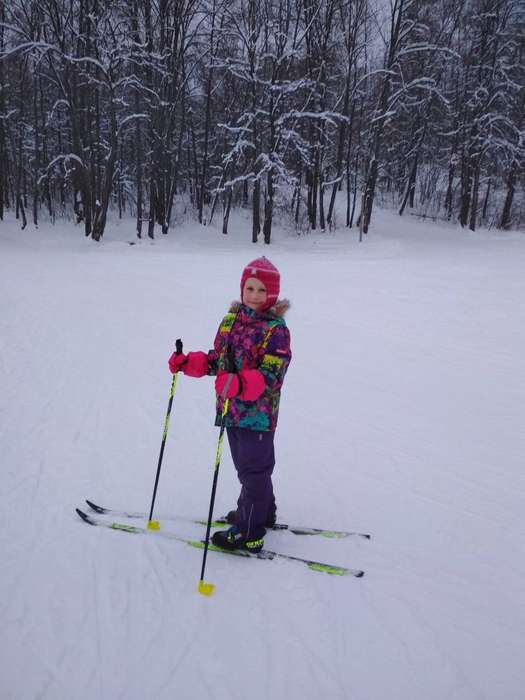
197, 364
194, 364
233, 387
252, 384
176, 361
248, 385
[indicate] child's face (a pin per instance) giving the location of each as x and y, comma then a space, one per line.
254, 294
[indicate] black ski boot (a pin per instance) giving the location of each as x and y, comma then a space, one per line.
234, 539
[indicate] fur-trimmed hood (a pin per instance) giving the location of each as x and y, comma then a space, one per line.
278, 310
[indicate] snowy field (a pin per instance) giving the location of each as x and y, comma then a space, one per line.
402, 415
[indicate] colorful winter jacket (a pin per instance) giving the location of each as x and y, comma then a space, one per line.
257, 341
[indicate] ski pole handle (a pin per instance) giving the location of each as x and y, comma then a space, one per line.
178, 346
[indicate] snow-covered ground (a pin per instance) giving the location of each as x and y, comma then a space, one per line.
402, 415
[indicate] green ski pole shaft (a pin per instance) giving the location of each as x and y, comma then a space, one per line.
151, 523
207, 588
203, 587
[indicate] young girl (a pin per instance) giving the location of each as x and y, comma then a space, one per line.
252, 337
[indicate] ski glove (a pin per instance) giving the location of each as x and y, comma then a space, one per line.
194, 364
248, 385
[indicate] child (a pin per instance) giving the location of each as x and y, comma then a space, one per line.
254, 337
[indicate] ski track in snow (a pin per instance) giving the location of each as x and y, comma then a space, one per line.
402, 416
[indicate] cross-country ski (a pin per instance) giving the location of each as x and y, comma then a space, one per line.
221, 522
199, 544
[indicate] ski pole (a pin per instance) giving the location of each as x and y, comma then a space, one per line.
154, 524
203, 587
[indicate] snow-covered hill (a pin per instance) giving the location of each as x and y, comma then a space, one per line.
402, 415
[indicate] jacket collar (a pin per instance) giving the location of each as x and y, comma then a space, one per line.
278, 310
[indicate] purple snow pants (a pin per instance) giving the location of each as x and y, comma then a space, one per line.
253, 456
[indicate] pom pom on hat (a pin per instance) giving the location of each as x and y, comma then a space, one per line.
263, 270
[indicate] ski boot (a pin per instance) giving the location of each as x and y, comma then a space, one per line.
234, 539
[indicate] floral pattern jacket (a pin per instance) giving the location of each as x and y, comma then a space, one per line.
256, 341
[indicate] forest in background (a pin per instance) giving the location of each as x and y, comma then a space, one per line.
165, 109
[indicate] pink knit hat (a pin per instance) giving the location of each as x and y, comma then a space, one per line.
263, 270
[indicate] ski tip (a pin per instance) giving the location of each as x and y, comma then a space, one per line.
97, 509
84, 517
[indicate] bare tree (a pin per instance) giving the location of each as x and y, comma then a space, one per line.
177, 105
